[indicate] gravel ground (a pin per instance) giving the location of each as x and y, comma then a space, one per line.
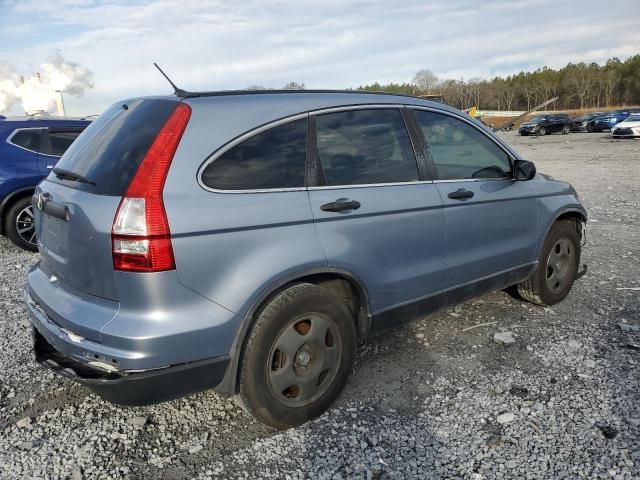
431, 400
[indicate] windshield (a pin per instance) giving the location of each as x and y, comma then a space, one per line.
634, 117
539, 118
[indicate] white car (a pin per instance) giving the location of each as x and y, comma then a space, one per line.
629, 127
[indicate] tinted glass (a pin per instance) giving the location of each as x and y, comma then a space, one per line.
274, 158
110, 150
61, 141
365, 146
461, 151
29, 139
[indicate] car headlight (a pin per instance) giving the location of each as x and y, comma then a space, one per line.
612, 120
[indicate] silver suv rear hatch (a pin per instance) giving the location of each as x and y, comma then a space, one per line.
76, 204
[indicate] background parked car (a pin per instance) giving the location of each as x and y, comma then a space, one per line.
29, 148
607, 121
629, 127
584, 123
543, 124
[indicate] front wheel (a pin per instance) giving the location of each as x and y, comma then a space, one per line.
566, 129
589, 128
20, 225
542, 132
557, 266
298, 356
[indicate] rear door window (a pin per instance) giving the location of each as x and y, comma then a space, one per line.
111, 149
29, 138
370, 146
460, 151
272, 159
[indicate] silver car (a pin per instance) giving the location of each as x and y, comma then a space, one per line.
248, 242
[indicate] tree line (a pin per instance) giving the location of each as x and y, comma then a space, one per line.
577, 85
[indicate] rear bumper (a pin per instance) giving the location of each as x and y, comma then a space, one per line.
144, 357
136, 388
156, 323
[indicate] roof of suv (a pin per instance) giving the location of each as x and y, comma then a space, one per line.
221, 93
307, 100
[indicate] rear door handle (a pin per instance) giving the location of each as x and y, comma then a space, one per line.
340, 205
461, 194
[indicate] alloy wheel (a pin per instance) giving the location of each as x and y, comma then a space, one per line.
25, 225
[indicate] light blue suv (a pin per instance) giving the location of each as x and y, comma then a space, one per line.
248, 242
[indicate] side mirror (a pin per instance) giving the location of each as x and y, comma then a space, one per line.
523, 170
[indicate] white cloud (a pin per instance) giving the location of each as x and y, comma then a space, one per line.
209, 44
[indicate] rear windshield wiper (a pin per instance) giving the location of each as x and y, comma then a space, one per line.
63, 174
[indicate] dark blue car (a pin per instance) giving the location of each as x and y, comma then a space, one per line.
29, 148
605, 122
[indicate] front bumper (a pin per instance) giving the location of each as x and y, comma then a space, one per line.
625, 132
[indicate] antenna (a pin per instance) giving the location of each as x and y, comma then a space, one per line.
178, 91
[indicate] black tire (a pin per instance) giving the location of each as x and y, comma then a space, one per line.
566, 130
15, 225
272, 356
542, 288
589, 128
542, 132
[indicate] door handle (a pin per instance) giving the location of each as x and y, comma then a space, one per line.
340, 205
461, 194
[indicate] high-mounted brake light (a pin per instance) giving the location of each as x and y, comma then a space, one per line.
140, 236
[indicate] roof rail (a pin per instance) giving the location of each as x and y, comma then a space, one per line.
221, 93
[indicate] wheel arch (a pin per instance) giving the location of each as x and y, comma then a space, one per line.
10, 199
342, 282
576, 214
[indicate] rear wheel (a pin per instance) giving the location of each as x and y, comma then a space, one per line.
566, 130
20, 225
298, 356
542, 131
557, 266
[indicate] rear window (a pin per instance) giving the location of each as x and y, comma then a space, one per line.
110, 150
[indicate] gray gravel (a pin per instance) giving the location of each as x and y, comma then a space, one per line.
430, 400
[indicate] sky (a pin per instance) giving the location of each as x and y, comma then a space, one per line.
216, 45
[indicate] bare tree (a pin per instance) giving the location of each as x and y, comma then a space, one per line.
293, 86
425, 80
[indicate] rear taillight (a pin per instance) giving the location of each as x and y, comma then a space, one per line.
140, 237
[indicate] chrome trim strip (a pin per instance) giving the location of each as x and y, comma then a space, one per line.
225, 148
8, 140
346, 108
475, 180
366, 185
